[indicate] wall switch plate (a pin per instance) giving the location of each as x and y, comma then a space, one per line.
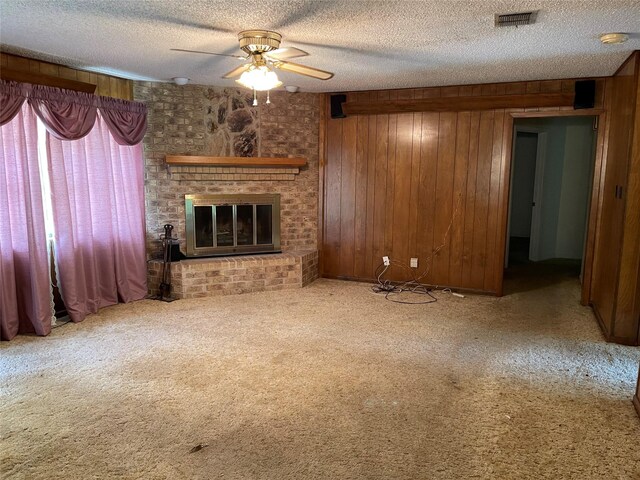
414, 263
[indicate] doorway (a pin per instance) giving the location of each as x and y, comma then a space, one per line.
550, 190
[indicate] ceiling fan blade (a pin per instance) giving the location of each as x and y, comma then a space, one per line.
382, 55
237, 71
239, 57
303, 70
285, 53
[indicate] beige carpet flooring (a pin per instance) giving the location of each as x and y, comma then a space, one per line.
326, 382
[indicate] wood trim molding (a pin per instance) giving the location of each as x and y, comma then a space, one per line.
504, 192
460, 104
269, 162
624, 64
322, 154
597, 187
601, 138
47, 80
586, 112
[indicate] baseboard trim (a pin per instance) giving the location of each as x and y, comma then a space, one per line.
636, 403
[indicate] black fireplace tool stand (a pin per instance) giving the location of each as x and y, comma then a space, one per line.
164, 291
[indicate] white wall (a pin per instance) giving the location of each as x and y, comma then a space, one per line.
576, 186
566, 185
551, 187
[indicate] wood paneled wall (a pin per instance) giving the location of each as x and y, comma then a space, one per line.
615, 293
428, 185
107, 85
611, 220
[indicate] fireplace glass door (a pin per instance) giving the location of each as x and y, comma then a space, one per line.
232, 224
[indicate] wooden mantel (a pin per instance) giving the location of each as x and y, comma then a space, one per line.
251, 162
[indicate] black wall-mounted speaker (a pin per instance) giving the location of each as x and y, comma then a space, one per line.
336, 106
585, 96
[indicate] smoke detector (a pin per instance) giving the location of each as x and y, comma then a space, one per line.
180, 80
614, 38
515, 19
291, 88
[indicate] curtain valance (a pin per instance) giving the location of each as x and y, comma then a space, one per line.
70, 115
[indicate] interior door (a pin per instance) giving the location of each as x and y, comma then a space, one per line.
536, 206
521, 192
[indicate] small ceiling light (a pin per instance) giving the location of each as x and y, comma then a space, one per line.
259, 78
180, 80
614, 38
291, 88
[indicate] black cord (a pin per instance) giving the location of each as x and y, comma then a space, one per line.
413, 286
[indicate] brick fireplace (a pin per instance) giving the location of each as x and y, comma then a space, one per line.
204, 121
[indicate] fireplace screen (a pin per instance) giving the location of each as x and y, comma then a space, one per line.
232, 224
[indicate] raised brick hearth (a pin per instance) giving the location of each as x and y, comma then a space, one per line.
203, 277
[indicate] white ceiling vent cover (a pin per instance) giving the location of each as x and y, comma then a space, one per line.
515, 19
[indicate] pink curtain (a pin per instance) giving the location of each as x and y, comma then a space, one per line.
98, 210
67, 120
25, 292
127, 121
70, 115
12, 96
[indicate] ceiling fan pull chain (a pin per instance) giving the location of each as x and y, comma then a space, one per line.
255, 98
268, 100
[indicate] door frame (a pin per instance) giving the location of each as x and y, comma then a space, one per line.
596, 188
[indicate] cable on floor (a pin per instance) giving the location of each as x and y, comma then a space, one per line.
390, 288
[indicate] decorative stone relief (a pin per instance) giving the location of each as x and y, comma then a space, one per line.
231, 123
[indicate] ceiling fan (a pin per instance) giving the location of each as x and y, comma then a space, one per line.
263, 53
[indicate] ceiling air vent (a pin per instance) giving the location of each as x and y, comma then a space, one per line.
515, 19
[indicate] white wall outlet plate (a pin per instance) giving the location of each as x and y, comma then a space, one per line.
386, 261
414, 263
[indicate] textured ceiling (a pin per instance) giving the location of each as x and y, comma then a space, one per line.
367, 44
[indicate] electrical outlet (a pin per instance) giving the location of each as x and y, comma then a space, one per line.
414, 263
386, 261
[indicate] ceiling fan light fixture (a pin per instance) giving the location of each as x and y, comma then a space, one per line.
259, 41
259, 78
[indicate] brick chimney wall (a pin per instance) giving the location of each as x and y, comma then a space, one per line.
216, 121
